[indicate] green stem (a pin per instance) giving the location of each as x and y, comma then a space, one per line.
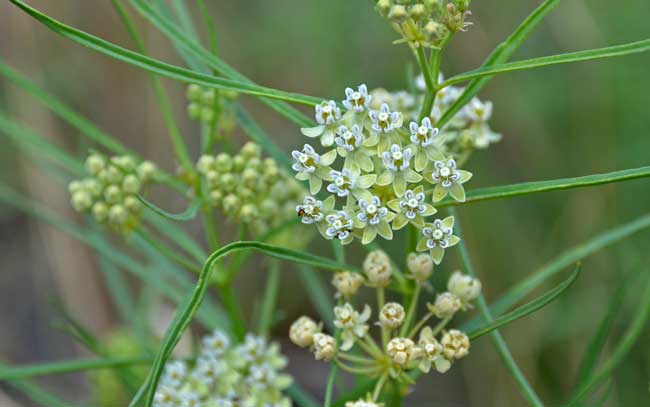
420, 324
161, 95
354, 358
167, 251
381, 301
500, 344
270, 298
352, 369
210, 228
434, 71
424, 67
379, 386
234, 311
209, 25
333, 367
411, 310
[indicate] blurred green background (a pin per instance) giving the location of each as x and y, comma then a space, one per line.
557, 122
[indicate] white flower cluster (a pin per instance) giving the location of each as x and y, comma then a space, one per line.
400, 351
226, 375
110, 193
384, 164
248, 188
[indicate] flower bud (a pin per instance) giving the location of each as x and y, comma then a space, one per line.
402, 350
131, 184
455, 344
208, 97
194, 110
95, 163
205, 163
383, 7
464, 287
132, 203
117, 215
302, 331
417, 11
324, 346
251, 150
391, 315
248, 213
207, 114
81, 200
397, 13
223, 162
112, 194
230, 203
100, 211
347, 283
111, 174
146, 170
420, 266
194, 92
446, 305
93, 186
377, 268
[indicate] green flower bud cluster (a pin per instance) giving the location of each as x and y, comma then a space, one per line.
110, 193
248, 374
248, 188
204, 103
425, 22
407, 344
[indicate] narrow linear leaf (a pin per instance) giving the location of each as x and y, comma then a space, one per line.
159, 67
70, 366
526, 188
318, 294
597, 342
35, 392
587, 55
624, 345
301, 397
186, 215
499, 55
527, 308
185, 314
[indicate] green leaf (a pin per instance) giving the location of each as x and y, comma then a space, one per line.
301, 398
497, 339
527, 308
181, 40
597, 343
526, 188
185, 314
499, 55
186, 215
40, 396
624, 345
70, 366
318, 294
520, 290
159, 67
598, 53
269, 299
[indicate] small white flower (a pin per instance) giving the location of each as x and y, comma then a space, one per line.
377, 268
349, 139
371, 212
165, 397
391, 315
357, 100
363, 403
396, 159
352, 323
347, 283
253, 348
423, 135
327, 112
445, 173
420, 266
216, 344
385, 121
432, 352
448, 179
189, 398
344, 181
174, 374
208, 369
412, 204
311, 211
455, 344
339, 225
438, 236
306, 160
446, 305
477, 111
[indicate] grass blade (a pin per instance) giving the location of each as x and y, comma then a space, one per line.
587, 55
70, 366
499, 343
188, 214
625, 344
527, 308
36, 393
159, 67
499, 55
185, 314
526, 188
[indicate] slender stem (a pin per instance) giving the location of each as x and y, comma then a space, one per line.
434, 72
161, 95
379, 386
411, 310
234, 311
210, 228
370, 346
354, 358
333, 367
424, 67
209, 24
440, 326
500, 344
270, 297
351, 369
167, 251
420, 324
381, 300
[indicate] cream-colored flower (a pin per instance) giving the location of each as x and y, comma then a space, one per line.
446, 305
402, 351
346, 283
352, 323
455, 344
363, 403
432, 352
324, 347
391, 315
377, 268
420, 266
467, 288
302, 331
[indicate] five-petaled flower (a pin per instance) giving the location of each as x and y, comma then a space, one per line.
339, 225
438, 236
352, 323
411, 207
426, 142
357, 101
374, 218
397, 162
448, 180
328, 116
312, 167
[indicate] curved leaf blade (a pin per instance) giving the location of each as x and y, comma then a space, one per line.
187, 214
528, 308
70, 366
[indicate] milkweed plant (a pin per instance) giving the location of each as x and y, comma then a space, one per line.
378, 170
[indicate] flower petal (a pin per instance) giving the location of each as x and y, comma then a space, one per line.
312, 131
